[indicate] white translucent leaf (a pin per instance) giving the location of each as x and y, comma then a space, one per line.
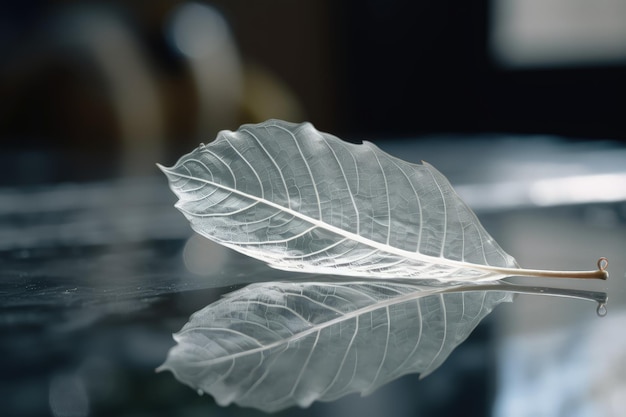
275, 345
304, 200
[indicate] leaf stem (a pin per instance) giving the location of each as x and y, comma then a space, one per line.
600, 273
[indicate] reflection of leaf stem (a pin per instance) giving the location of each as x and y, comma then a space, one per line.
596, 296
600, 273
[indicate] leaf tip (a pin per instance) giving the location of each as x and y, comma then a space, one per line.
162, 167
169, 172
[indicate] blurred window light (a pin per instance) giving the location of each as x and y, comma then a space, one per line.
541, 33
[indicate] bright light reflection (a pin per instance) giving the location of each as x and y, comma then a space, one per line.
578, 190
573, 371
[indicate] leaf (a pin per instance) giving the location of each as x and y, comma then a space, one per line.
275, 345
303, 200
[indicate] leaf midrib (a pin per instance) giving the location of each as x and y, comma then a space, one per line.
417, 256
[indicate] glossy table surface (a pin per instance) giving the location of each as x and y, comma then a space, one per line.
96, 276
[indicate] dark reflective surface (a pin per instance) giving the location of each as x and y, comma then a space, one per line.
95, 277
94, 280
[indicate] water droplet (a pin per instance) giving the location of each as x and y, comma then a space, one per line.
602, 311
200, 392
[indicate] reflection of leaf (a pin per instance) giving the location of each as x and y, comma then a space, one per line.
304, 200
274, 345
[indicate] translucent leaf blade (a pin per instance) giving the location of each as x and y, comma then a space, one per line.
300, 199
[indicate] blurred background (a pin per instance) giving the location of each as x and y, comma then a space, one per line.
518, 102
133, 82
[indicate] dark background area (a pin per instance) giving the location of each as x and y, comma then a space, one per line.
426, 66
359, 69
